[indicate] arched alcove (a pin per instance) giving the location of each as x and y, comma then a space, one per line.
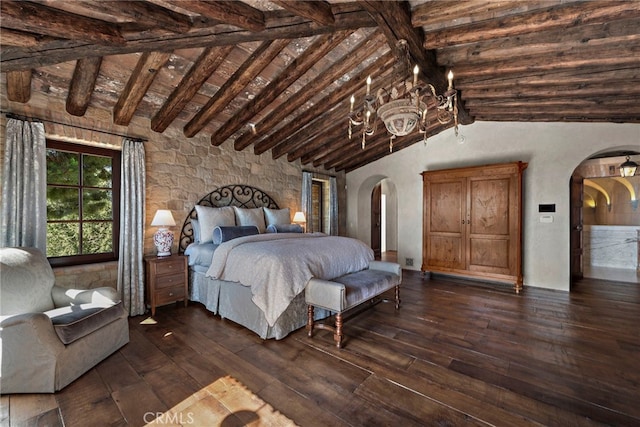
364, 209
609, 220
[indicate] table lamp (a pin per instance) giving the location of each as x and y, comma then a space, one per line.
163, 238
299, 218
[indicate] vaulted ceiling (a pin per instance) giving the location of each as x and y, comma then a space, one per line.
276, 76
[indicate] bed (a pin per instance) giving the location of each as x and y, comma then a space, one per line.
253, 267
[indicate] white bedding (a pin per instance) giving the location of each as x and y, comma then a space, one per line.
277, 267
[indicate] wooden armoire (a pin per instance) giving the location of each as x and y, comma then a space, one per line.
472, 222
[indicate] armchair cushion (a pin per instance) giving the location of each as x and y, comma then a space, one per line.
74, 322
27, 279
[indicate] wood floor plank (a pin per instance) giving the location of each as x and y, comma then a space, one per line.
138, 402
413, 407
87, 401
34, 409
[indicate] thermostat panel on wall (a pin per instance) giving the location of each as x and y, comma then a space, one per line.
547, 208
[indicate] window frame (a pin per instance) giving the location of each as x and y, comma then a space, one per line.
115, 155
318, 214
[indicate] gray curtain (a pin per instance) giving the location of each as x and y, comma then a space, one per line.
24, 186
307, 179
333, 206
131, 257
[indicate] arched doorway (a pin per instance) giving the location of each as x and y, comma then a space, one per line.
605, 219
384, 220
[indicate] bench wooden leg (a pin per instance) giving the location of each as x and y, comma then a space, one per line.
338, 334
310, 321
397, 297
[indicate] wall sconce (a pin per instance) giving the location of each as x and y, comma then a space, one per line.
628, 168
299, 218
163, 239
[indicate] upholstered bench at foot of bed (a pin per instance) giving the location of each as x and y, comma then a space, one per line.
348, 291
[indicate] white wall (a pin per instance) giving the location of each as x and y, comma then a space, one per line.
553, 151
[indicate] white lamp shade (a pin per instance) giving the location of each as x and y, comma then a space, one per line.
163, 218
298, 217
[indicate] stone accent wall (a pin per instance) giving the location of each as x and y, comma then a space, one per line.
180, 170
87, 276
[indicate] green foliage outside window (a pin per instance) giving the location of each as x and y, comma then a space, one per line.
80, 214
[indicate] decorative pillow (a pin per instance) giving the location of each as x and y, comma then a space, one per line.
195, 225
224, 234
250, 217
277, 216
284, 228
210, 218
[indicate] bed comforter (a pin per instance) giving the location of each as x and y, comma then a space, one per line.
277, 267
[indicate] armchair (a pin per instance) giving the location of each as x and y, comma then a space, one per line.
49, 335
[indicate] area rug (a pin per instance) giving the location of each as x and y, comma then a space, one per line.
225, 402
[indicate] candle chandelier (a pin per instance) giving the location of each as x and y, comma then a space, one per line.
405, 107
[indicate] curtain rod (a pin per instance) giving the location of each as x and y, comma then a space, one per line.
28, 118
319, 173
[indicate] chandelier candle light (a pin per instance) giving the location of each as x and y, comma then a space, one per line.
163, 238
402, 111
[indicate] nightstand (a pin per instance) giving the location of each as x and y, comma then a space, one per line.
167, 280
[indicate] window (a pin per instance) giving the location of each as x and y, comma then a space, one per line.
320, 220
83, 203
316, 205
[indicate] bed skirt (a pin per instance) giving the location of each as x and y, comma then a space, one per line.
232, 301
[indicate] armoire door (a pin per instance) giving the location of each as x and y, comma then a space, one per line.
444, 200
491, 236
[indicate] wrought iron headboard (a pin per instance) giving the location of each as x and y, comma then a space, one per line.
242, 196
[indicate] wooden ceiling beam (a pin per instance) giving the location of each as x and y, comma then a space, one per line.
394, 19
383, 150
434, 15
249, 70
39, 19
82, 85
379, 149
19, 86
339, 68
552, 92
232, 12
576, 61
289, 137
593, 75
139, 82
317, 11
348, 152
317, 50
18, 58
565, 116
19, 38
377, 143
563, 16
549, 43
206, 64
333, 130
136, 15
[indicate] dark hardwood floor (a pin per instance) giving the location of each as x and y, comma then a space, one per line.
456, 353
